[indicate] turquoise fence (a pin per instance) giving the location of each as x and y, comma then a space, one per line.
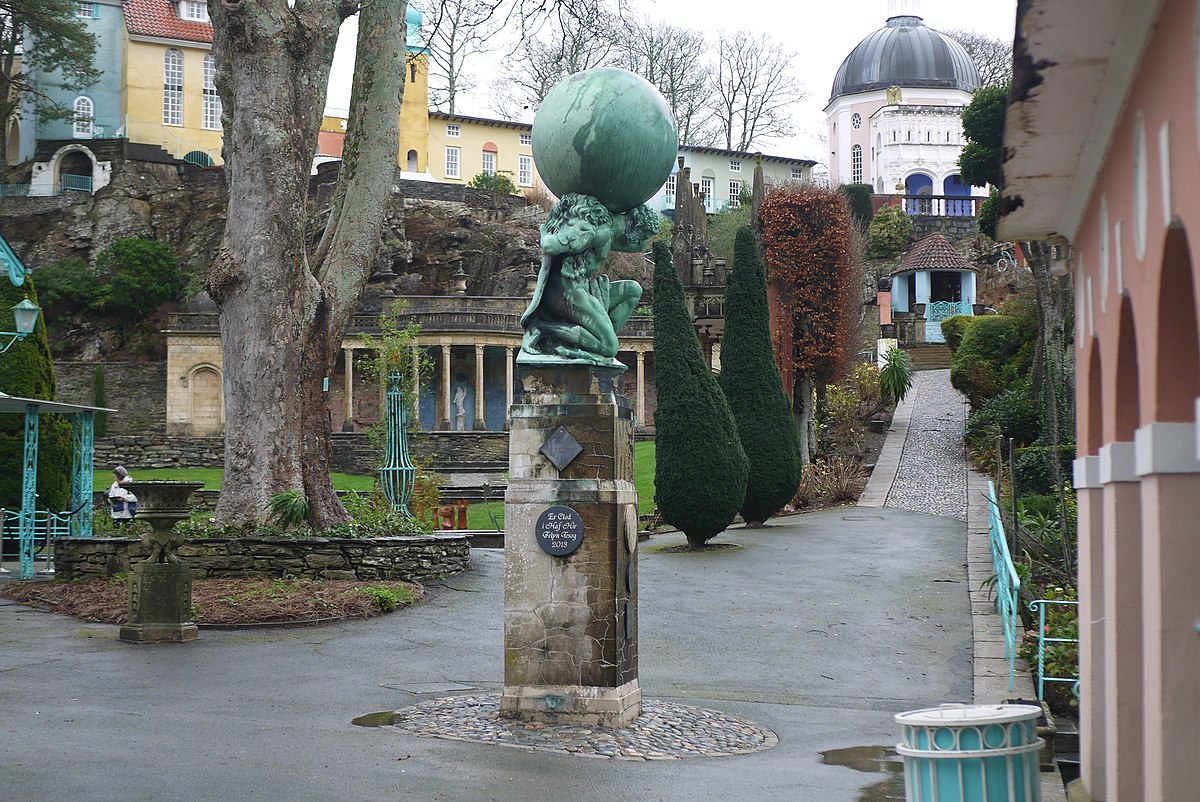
47, 527
1008, 584
1039, 606
14, 190
81, 183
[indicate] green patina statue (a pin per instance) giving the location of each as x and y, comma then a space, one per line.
604, 141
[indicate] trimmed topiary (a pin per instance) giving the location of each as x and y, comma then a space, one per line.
701, 469
953, 328
995, 351
754, 389
27, 371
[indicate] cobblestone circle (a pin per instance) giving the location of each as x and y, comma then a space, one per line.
932, 477
664, 731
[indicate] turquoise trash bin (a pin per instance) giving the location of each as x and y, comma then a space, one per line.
971, 753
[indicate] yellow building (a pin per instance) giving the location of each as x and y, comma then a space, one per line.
170, 98
461, 148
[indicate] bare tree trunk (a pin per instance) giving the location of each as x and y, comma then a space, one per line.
284, 309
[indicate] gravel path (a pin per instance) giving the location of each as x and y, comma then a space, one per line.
932, 477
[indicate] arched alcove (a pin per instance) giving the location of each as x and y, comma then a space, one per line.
1092, 435
1126, 399
411, 161
1177, 368
205, 396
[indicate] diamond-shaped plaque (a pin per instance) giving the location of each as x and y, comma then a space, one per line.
561, 448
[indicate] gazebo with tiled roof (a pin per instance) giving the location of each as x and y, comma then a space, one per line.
933, 281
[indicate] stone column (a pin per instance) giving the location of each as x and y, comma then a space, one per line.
570, 621
508, 383
1123, 616
444, 425
641, 388
349, 377
1169, 468
1092, 756
480, 404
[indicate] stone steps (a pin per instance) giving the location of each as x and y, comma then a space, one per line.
929, 356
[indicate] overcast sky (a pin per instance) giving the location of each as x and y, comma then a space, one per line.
821, 33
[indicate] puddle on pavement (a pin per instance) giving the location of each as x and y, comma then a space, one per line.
384, 718
872, 760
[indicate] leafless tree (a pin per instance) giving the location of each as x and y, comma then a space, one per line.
992, 56
672, 59
752, 91
456, 31
568, 44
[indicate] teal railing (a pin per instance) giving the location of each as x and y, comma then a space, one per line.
47, 527
1039, 606
1008, 584
14, 190
81, 183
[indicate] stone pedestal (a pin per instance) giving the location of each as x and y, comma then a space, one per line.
570, 617
160, 604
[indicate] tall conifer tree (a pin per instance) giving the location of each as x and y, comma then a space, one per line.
754, 388
700, 472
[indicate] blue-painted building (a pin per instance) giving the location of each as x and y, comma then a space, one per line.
98, 109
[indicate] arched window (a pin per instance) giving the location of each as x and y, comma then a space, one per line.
211, 116
83, 117
172, 87
856, 165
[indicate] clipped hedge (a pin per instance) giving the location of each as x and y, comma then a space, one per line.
994, 352
754, 388
700, 470
953, 328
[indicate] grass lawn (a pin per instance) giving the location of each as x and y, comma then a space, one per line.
477, 514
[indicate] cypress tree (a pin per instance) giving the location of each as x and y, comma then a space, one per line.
700, 473
754, 389
26, 370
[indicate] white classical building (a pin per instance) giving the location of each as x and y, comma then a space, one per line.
895, 112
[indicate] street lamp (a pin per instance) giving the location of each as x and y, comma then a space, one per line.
25, 314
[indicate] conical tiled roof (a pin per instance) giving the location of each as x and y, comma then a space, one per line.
933, 253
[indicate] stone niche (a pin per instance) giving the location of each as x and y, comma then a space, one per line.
570, 622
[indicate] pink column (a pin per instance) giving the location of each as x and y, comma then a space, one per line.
1090, 495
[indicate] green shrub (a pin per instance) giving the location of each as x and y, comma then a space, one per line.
381, 597
889, 232
66, 288
954, 328
1034, 467
142, 274
700, 471
1011, 413
995, 351
754, 389
26, 370
288, 509
858, 197
499, 181
896, 377
1038, 504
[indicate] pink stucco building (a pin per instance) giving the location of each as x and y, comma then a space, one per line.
1103, 152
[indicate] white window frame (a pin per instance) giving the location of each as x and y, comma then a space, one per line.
172, 87
453, 161
210, 112
708, 188
85, 118
797, 173
526, 139
735, 165
669, 187
735, 194
453, 129
86, 10
489, 163
193, 11
525, 170
856, 120
856, 164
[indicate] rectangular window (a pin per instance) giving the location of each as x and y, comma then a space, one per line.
856, 164
735, 166
211, 111
706, 187
669, 187
86, 11
526, 139
193, 11
453, 130
525, 171
489, 163
452, 163
735, 193
173, 88
797, 173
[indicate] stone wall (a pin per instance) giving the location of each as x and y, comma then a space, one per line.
137, 390
411, 559
953, 228
352, 453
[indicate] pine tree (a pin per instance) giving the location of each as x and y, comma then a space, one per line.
700, 473
754, 388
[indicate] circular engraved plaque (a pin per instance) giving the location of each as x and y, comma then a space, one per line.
559, 531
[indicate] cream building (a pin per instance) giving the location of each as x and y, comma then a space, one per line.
461, 148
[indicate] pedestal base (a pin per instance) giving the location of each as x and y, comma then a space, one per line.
160, 604
583, 705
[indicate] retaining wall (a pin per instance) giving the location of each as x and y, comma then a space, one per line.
411, 559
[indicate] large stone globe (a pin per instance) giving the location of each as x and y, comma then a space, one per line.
607, 133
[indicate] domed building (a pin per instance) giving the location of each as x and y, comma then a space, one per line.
895, 114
